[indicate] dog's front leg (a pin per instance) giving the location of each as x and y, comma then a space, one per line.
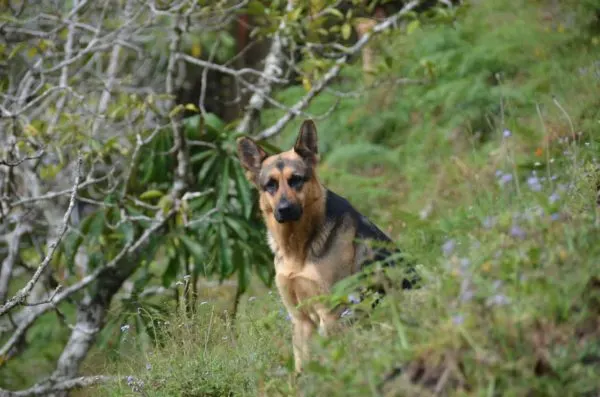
303, 331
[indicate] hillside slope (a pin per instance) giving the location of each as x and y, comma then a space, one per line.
487, 176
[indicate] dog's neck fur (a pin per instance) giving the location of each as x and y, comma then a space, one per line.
293, 238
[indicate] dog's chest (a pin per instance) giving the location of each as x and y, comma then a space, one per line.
299, 277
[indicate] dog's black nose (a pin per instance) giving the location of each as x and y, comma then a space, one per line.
287, 211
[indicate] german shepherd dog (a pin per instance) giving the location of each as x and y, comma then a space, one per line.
316, 236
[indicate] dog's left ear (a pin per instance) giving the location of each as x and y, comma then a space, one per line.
307, 144
251, 156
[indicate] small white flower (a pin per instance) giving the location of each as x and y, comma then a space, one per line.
346, 313
352, 298
125, 328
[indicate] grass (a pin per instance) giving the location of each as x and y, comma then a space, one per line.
501, 217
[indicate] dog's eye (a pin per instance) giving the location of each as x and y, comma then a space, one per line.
271, 186
296, 181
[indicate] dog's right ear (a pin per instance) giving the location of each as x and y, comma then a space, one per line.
307, 145
251, 156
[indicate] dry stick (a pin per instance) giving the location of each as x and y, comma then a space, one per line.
64, 74
546, 145
272, 69
180, 184
20, 297
13, 241
225, 70
333, 72
59, 385
53, 195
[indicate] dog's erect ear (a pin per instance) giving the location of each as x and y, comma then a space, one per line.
251, 156
307, 144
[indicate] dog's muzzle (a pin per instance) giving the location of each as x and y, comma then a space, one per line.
287, 212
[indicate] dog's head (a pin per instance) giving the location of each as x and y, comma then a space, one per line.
286, 181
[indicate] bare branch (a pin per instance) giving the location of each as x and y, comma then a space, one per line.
43, 307
333, 72
58, 385
22, 159
272, 69
53, 195
24, 292
13, 241
233, 72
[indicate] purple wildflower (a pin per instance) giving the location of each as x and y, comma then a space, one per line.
534, 183
516, 231
448, 247
554, 198
148, 366
458, 319
498, 300
506, 178
506, 133
555, 216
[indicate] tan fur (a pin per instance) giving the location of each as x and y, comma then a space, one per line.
302, 271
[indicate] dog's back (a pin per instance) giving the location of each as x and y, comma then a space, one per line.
373, 246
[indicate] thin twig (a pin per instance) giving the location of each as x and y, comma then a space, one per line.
26, 290
333, 72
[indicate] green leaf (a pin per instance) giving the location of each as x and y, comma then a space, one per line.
412, 26
93, 226
213, 122
199, 157
243, 189
255, 8
71, 243
270, 148
224, 190
128, 231
151, 194
225, 253
238, 226
205, 174
194, 248
335, 12
170, 272
192, 107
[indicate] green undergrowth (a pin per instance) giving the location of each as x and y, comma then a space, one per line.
487, 177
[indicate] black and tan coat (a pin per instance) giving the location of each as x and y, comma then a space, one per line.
316, 236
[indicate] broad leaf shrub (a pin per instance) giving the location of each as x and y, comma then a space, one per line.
216, 236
